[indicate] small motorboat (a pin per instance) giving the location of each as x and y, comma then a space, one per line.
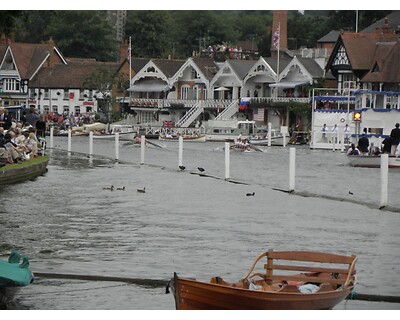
372, 161
125, 133
293, 280
14, 274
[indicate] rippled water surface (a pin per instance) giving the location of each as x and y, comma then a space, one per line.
196, 226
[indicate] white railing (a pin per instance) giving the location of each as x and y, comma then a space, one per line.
229, 111
190, 115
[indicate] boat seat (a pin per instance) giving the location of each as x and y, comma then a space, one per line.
310, 267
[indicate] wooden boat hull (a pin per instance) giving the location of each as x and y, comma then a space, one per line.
27, 170
196, 295
372, 161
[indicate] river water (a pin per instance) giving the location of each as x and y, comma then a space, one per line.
196, 226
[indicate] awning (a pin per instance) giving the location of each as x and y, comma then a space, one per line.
289, 84
149, 86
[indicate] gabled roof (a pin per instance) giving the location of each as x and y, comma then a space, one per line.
392, 19
71, 76
29, 57
386, 64
241, 67
360, 49
207, 66
331, 37
273, 62
168, 67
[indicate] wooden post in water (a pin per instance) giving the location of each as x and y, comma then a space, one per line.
90, 143
292, 165
269, 133
142, 147
51, 137
384, 180
69, 139
180, 151
116, 146
227, 160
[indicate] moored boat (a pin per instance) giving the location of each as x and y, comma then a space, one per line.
325, 279
371, 161
186, 137
125, 133
14, 274
276, 139
229, 130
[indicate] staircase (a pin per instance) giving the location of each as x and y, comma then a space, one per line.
229, 111
190, 115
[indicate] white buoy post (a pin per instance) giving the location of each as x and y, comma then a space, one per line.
227, 160
269, 133
117, 146
284, 132
51, 137
341, 143
292, 167
142, 147
69, 139
384, 180
90, 143
180, 151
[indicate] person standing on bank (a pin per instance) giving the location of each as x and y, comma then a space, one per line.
363, 143
5, 119
395, 135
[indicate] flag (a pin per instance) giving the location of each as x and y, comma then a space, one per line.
258, 114
276, 37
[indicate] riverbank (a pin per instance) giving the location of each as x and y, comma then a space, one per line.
23, 171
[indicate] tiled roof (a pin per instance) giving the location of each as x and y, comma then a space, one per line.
332, 36
241, 67
360, 47
168, 67
27, 56
312, 67
393, 20
386, 64
207, 66
273, 63
69, 76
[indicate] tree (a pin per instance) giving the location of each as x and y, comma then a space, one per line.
148, 32
84, 34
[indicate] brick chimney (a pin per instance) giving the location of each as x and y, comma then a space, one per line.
50, 47
279, 19
123, 51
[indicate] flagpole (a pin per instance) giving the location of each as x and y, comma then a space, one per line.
130, 66
279, 44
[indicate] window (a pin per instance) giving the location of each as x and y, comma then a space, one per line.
66, 94
77, 110
66, 109
11, 85
185, 92
54, 108
46, 109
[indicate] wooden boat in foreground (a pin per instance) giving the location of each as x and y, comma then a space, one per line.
372, 161
324, 280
